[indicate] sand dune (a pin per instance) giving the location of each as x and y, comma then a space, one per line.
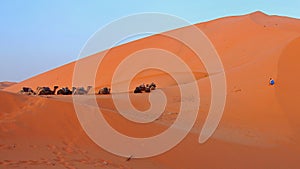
259, 128
6, 84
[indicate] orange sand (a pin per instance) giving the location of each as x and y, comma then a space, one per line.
6, 84
259, 129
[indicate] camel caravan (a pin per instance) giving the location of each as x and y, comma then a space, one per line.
145, 88
61, 91
80, 90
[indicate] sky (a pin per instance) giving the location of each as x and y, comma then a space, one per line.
39, 35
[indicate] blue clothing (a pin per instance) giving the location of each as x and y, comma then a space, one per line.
272, 82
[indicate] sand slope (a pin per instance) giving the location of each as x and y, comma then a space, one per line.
233, 38
6, 84
259, 129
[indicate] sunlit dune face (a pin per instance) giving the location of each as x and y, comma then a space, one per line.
164, 81
114, 57
125, 126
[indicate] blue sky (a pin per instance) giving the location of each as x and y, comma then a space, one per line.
39, 35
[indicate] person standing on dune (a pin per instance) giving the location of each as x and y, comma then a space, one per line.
271, 82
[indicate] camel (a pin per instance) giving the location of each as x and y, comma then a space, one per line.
147, 89
152, 86
73, 90
81, 90
138, 90
64, 91
104, 90
46, 90
27, 91
142, 87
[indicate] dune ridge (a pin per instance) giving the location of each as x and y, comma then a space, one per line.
259, 128
6, 84
225, 34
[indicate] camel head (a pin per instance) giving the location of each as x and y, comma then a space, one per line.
55, 88
88, 89
73, 89
38, 89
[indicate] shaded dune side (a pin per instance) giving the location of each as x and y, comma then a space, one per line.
288, 83
38, 132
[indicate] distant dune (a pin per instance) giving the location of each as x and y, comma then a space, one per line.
6, 84
260, 127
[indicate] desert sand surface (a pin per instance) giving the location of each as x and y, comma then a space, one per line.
6, 84
260, 127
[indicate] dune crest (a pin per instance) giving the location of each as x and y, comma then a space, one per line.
4, 85
260, 124
232, 37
